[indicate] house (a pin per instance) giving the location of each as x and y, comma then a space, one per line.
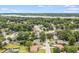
34, 48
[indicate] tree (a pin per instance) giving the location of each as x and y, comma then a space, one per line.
72, 40
56, 50
28, 44
76, 35
49, 36
70, 49
23, 37
32, 36
63, 35
42, 37
0, 45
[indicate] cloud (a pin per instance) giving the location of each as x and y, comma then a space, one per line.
8, 10
40, 6
71, 9
4, 9
15, 10
69, 5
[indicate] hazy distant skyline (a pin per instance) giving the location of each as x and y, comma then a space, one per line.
39, 8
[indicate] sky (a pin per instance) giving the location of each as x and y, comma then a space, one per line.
39, 8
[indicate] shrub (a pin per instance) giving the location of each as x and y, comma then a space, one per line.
56, 50
70, 49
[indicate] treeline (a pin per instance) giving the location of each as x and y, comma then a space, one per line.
26, 24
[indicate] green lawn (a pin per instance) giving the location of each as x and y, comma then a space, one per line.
23, 49
11, 46
41, 51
